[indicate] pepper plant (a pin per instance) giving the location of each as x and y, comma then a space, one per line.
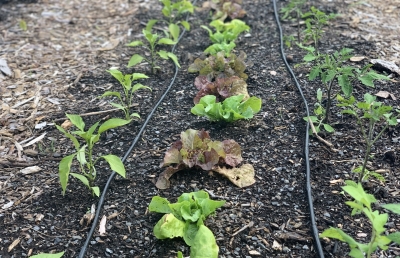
224, 37
331, 69
375, 114
185, 219
126, 83
362, 204
172, 11
150, 44
85, 154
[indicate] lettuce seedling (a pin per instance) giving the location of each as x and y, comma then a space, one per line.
218, 66
195, 149
227, 8
185, 219
222, 88
84, 154
230, 110
362, 204
224, 37
374, 113
151, 43
126, 83
173, 11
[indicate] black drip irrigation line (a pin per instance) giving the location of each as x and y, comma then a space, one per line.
306, 141
128, 152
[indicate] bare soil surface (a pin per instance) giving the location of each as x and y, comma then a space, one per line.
59, 66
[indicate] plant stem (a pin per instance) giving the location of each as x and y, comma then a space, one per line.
329, 101
373, 236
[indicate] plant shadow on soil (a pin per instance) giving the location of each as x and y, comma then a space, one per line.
272, 142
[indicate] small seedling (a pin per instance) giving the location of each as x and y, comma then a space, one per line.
125, 102
315, 21
151, 43
320, 113
227, 8
85, 153
374, 113
331, 68
294, 7
185, 219
172, 11
362, 204
231, 109
224, 37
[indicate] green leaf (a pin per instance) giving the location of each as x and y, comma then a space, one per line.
314, 73
174, 30
119, 106
111, 93
137, 76
166, 41
309, 57
135, 43
77, 121
112, 123
393, 207
395, 237
186, 25
319, 95
173, 57
150, 24
345, 85
96, 190
328, 128
135, 59
204, 245
190, 233
139, 86
169, 227
64, 169
115, 164
82, 178
70, 136
160, 205
81, 155
44, 255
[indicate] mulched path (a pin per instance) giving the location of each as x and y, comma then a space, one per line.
275, 206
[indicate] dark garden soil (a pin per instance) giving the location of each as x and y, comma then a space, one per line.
274, 209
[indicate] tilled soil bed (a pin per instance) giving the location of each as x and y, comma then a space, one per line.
268, 219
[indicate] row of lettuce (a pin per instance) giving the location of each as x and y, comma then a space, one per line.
222, 97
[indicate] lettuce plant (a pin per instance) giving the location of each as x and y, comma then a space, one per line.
224, 37
222, 88
85, 153
218, 66
126, 83
374, 113
227, 8
362, 204
151, 43
172, 10
185, 219
195, 149
230, 110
